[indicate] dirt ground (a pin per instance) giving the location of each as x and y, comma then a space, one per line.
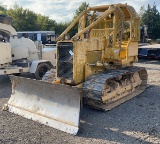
136, 121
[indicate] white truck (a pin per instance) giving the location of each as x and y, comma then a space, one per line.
21, 55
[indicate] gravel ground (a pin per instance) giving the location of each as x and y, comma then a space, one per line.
136, 121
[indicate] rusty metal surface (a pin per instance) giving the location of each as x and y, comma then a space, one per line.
57, 106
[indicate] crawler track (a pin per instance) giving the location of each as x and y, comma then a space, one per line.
107, 90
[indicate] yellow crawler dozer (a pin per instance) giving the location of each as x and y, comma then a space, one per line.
94, 66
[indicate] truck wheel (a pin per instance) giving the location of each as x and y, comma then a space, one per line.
41, 70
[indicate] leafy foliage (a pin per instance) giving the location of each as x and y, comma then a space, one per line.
60, 27
23, 19
2, 8
27, 20
80, 9
151, 18
44, 23
141, 12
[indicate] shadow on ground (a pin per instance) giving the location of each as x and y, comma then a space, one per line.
133, 121
136, 121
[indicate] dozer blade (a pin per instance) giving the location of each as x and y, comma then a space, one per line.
57, 106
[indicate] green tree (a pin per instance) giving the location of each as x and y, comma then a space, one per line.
27, 20
151, 18
80, 9
141, 12
60, 27
44, 23
23, 19
3, 9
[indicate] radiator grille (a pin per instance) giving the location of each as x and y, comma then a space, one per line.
65, 60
